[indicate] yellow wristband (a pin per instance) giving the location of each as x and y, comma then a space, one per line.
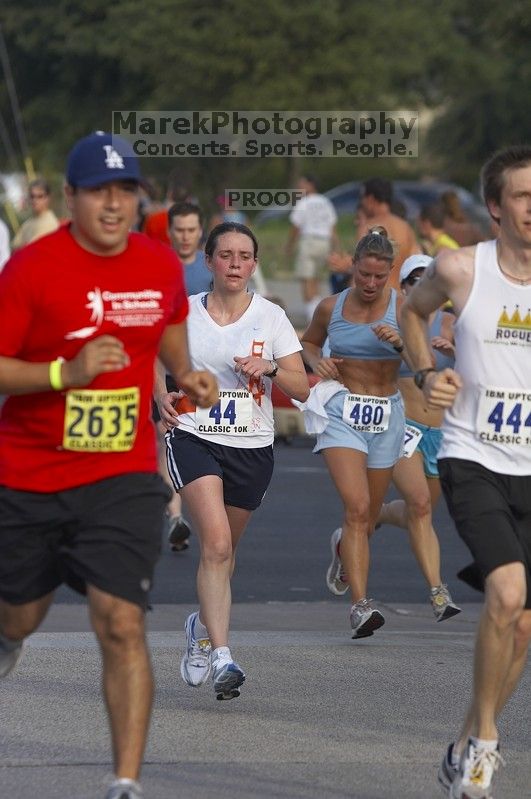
56, 381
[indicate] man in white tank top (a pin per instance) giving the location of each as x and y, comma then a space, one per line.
485, 458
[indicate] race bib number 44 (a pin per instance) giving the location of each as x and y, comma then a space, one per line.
232, 414
366, 413
504, 416
101, 420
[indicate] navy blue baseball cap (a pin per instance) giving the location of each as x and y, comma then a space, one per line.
101, 158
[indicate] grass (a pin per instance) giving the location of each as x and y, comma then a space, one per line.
273, 235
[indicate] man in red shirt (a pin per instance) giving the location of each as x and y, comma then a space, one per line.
83, 313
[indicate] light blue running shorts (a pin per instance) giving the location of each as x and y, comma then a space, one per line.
382, 449
428, 446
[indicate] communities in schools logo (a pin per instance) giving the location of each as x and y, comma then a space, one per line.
122, 308
264, 134
514, 327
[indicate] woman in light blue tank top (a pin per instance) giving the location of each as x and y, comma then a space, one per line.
362, 412
416, 475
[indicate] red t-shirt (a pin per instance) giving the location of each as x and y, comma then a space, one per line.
54, 297
156, 226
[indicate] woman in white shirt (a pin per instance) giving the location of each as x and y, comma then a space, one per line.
221, 458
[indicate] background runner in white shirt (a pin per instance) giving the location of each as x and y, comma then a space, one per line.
313, 226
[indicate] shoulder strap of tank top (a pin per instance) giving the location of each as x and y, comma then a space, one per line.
390, 311
338, 305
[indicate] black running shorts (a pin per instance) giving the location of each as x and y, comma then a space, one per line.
492, 513
106, 534
245, 473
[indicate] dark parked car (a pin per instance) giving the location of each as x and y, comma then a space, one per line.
411, 194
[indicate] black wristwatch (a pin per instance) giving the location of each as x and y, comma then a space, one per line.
421, 375
274, 369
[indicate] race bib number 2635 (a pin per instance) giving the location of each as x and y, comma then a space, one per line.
101, 420
504, 416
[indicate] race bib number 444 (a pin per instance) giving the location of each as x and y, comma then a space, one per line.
504, 416
101, 420
366, 413
232, 414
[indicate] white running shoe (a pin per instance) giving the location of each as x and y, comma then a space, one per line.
442, 603
10, 652
336, 579
195, 664
124, 789
475, 774
364, 619
227, 675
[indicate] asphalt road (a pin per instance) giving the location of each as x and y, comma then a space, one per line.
285, 550
320, 715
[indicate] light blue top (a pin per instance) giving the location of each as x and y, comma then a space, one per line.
358, 340
197, 276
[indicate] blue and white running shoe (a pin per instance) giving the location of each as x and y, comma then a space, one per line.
227, 675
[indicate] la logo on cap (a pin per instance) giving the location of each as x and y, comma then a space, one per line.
113, 160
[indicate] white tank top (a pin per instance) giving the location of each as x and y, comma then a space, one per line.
490, 421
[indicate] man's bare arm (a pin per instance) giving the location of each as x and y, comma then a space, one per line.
448, 277
428, 295
98, 356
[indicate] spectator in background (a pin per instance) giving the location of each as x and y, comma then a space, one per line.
156, 223
42, 220
376, 203
313, 227
456, 222
226, 214
185, 231
340, 263
431, 228
5, 251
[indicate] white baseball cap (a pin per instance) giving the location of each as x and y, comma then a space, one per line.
418, 261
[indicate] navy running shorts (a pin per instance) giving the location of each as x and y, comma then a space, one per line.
245, 473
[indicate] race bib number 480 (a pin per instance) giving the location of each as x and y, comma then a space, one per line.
366, 413
504, 416
101, 420
232, 414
